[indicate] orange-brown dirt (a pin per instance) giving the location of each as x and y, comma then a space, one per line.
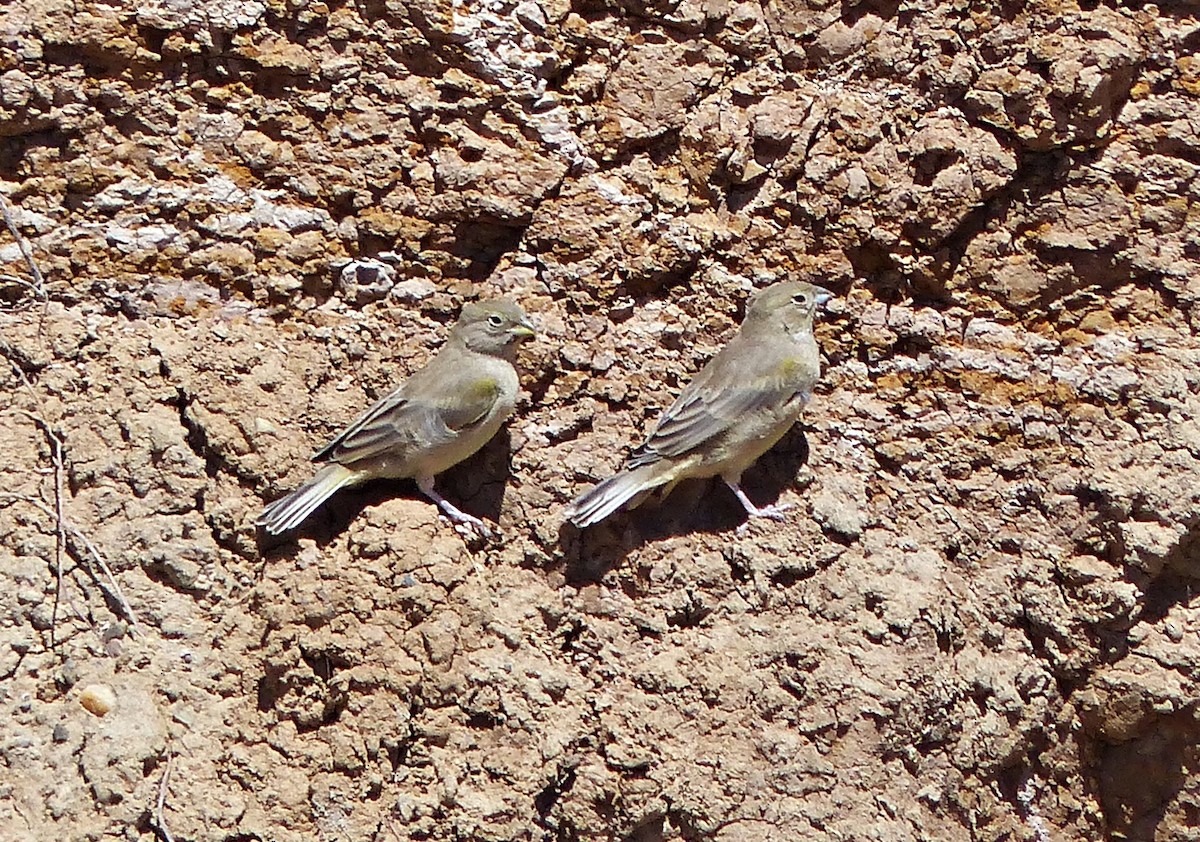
981, 620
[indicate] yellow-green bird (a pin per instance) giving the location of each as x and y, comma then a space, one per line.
733, 412
438, 417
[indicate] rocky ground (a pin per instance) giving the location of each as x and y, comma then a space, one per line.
246, 220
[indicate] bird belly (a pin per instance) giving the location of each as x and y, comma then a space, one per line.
433, 461
438, 459
466, 444
745, 442
410, 459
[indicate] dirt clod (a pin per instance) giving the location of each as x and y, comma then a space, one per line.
978, 621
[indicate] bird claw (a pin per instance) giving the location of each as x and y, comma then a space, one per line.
469, 526
776, 512
466, 525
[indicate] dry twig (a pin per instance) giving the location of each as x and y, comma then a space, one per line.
160, 818
113, 589
38, 287
56, 457
60, 531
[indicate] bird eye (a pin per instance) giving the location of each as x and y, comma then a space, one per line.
495, 320
800, 298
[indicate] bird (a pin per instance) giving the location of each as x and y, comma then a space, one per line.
735, 410
438, 417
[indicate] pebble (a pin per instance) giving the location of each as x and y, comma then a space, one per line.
98, 699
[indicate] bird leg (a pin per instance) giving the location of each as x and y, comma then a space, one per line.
455, 514
775, 512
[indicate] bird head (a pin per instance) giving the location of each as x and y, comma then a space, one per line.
494, 327
791, 304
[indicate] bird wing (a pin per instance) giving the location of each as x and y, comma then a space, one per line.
428, 410
723, 392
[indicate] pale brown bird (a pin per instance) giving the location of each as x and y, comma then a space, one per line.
438, 417
733, 412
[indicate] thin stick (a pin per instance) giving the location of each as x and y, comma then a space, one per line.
60, 531
13, 279
39, 282
159, 817
60, 535
114, 590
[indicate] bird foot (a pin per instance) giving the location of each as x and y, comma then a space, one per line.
776, 512
464, 524
469, 526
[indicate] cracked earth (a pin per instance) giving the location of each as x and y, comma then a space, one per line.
979, 622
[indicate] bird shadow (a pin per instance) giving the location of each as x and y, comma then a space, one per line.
476, 485
694, 506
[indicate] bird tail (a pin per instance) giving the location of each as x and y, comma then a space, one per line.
603, 499
286, 513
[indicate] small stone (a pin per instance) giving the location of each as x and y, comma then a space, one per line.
98, 699
365, 281
413, 289
751, 170
837, 515
60, 733
179, 572
68, 676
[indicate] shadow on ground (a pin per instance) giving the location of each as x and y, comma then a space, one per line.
477, 486
701, 505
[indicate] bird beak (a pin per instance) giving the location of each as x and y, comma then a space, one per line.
824, 296
523, 331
